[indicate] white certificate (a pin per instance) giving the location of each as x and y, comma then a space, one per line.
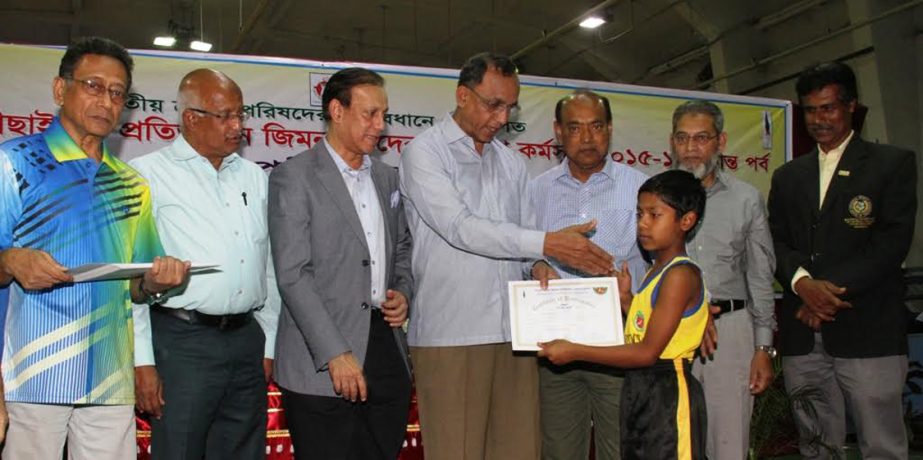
101, 272
583, 310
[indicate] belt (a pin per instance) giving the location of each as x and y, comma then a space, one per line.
221, 322
729, 305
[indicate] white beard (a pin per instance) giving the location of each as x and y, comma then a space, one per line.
701, 170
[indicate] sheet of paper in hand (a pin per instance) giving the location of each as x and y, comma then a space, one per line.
102, 272
583, 310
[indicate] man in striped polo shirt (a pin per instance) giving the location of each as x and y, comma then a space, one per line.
65, 201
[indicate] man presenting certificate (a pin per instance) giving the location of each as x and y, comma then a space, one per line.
586, 186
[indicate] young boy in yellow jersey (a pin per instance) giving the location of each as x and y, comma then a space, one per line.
662, 407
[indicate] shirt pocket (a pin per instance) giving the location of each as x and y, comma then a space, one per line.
256, 221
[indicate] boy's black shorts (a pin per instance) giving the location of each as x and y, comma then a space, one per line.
663, 413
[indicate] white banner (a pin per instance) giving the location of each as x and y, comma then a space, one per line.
283, 98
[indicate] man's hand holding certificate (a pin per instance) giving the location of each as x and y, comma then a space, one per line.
113, 271
584, 310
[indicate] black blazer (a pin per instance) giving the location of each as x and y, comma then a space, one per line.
857, 239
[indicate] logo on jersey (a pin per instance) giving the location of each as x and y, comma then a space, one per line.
639, 321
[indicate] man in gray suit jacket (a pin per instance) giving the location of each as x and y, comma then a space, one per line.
342, 256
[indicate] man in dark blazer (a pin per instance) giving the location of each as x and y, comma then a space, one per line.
842, 220
342, 256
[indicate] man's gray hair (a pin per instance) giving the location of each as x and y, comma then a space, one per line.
700, 106
185, 99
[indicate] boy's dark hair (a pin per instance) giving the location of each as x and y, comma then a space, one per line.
341, 84
816, 77
94, 45
472, 72
681, 191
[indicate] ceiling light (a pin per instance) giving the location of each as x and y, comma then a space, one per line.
165, 41
200, 46
592, 22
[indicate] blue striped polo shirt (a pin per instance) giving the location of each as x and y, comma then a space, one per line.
73, 343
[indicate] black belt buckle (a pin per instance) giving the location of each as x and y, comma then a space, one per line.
728, 305
220, 322
226, 322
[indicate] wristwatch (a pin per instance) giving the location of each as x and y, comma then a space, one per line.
768, 349
150, 298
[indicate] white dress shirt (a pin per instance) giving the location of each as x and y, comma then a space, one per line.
473, 230
365, 200
218, 216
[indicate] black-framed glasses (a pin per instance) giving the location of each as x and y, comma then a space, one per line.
224, 117
697, 139
496, 106
96, 87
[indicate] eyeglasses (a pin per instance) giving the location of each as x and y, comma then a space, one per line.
224, 117
96, 87
496, 106
697, 139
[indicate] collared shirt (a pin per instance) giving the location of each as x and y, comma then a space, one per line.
365, 199
71, 344
610, 196
471, 221
827, 163
734, 248
212, 216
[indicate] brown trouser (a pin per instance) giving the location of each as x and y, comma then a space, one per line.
477, 402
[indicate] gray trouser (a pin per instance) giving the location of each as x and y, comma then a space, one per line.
821, 387
571, 397
726, 381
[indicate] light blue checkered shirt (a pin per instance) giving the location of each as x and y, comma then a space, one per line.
609, 196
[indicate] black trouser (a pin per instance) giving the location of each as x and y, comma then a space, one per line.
323, 427
214, 388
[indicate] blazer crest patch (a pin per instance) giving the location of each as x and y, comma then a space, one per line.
860, 208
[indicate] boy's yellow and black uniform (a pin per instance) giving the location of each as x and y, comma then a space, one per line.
663, 407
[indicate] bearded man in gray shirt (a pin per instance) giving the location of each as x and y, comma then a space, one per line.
734, 249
